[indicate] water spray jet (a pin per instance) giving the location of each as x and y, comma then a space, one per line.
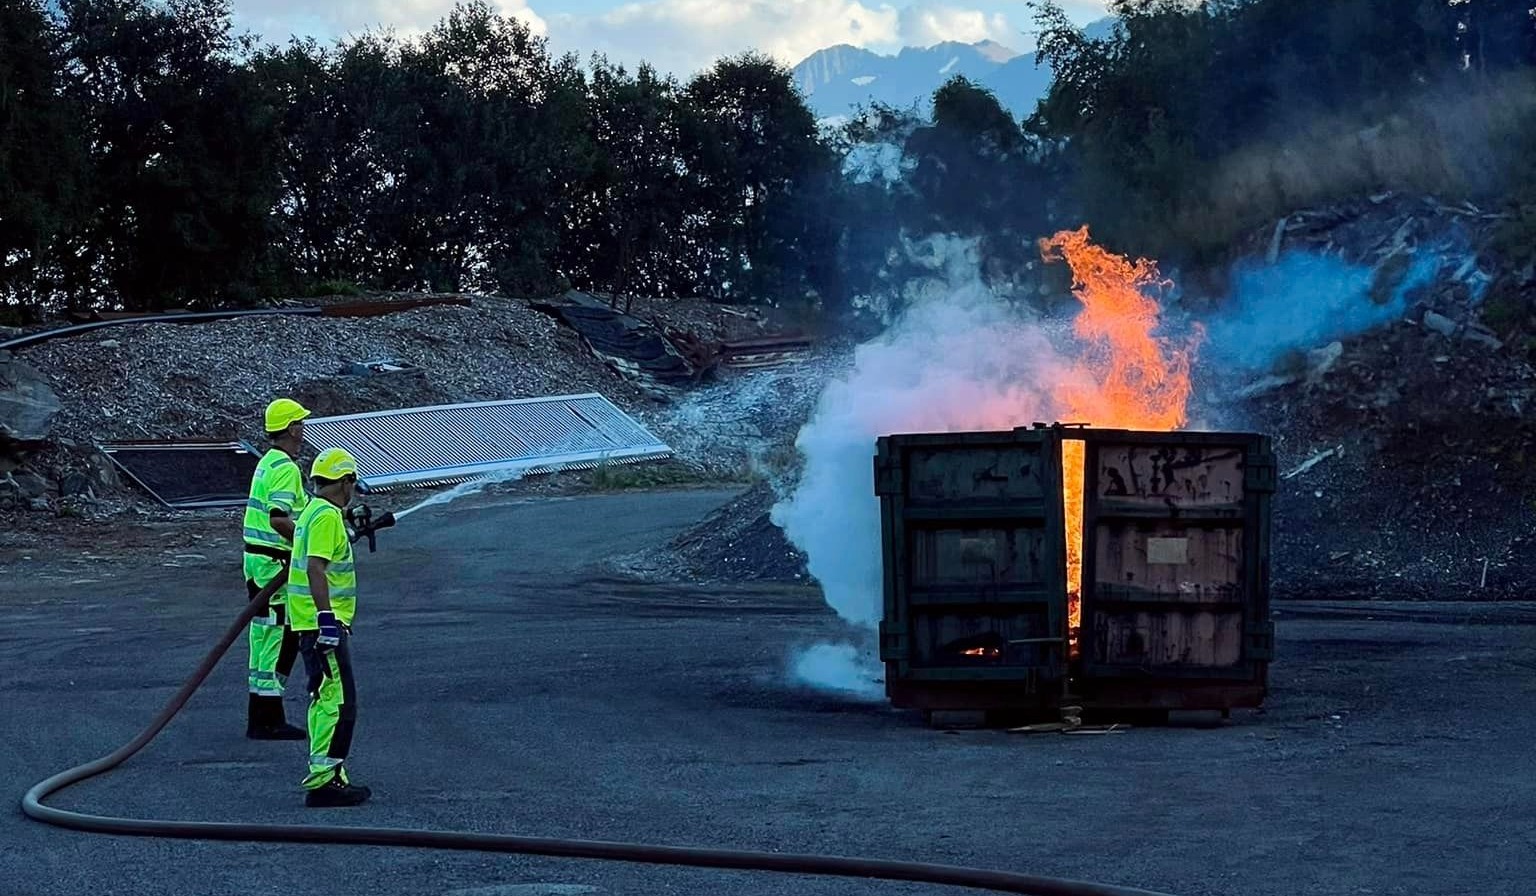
468, 487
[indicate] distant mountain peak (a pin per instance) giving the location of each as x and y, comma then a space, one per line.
841, 77
996, 51
838, 78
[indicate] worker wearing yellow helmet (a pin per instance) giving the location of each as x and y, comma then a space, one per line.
322, 596
276, 499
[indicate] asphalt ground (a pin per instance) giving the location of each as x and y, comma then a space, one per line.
506, 684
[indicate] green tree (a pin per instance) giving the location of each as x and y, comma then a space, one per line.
757, 168
497, 142
1147, 114
976, 171
184, 162
623, 235
40, 150
329, 175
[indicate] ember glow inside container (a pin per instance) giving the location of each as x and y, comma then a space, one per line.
1020, 578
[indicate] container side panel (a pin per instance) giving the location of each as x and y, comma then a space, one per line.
980, 640
974, 474
1170, 590
981, 557
976, 576
1167, 561
1186, 477
1168, 639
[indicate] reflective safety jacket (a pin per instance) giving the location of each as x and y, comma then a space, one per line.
321, 532
276, 485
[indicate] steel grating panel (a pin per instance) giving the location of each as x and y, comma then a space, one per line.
452, 443
187, 474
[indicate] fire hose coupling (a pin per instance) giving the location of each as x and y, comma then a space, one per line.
361, 521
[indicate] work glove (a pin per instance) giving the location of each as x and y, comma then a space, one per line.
330, 629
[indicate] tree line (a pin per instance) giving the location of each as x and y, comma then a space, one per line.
151, 157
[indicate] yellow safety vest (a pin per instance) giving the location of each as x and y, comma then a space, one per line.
276, 485
321, 532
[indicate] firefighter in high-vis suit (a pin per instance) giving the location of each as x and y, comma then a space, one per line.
322, 596
277, 498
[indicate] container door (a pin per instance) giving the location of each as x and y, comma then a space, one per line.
1176, 555
974, 557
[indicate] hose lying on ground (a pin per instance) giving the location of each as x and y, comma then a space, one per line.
739, 860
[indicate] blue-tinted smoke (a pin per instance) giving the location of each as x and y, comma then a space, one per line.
1301, 302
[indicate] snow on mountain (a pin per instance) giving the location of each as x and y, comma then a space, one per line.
837, 79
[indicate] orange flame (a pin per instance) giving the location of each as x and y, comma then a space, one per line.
1126, 377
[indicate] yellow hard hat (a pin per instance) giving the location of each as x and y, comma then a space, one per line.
283, 413
333, 464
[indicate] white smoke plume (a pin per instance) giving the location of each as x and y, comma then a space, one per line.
957, 359
842, 669
960, 358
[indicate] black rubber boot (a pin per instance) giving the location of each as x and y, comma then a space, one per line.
336, 793
255, 712
267, 722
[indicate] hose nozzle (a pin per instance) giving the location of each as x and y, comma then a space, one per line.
364, 525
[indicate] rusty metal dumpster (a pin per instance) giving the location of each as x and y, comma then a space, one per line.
1172, 591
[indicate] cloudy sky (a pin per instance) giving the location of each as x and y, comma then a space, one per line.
682, 36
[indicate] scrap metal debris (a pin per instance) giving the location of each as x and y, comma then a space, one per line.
634, 347
768, 351
1311, 462
1432, 408
382, 366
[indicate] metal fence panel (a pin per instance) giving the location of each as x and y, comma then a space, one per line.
452, 443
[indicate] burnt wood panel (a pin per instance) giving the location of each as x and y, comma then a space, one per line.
1170, 476
1176, 565
979, 557
1169, 638
975, 475
943, 639
1168, 561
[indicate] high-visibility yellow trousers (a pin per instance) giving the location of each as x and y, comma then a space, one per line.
274, 648
332, 707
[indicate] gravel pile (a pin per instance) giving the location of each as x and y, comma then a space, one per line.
736, 543
744, 424
212, 380
1406, 472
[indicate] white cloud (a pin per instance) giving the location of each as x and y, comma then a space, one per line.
679, 36
1083, 11
276, 20
684, 36
924, 26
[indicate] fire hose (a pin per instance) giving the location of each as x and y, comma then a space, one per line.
32, 804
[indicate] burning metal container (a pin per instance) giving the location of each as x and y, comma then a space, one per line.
1108, 569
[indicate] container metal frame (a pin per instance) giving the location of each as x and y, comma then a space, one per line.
1085, 680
